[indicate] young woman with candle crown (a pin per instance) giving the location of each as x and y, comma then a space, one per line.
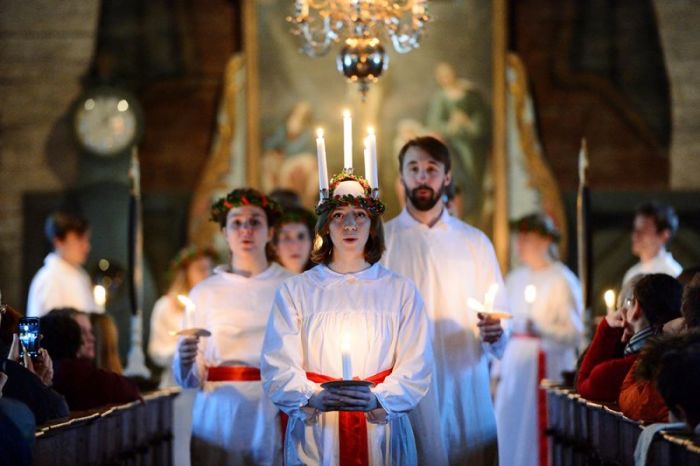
347, 318
233, 422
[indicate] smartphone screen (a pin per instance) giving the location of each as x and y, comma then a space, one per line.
29, 336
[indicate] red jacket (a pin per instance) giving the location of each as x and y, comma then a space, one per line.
639, 400
602, 371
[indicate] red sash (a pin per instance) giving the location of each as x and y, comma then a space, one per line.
352, 426
233, 374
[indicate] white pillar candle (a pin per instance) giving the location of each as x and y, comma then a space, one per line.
530, 294
188, 321
371, 174
609, 298
347, 140
347, 363
100, 294
365, 145
322, 164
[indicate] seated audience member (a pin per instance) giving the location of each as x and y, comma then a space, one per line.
106, 343
75, 376
62, 281
17, 428
678, 378
656, 299
30, 385
639, 398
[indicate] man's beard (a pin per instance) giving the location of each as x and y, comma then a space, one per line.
424, 203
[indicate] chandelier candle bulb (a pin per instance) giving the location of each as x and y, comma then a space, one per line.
188, 322
347, 141
371, 174
347, 363
322, 164
609, 298
100, 294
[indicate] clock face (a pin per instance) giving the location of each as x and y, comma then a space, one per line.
106, 124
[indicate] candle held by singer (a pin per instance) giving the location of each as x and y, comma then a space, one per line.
347, 362
189, 311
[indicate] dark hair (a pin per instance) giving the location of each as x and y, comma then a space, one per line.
285, 198
664, 216
690, 307
688, 274
9, 325
435, 148
659, 296
60, 223
323, 253
61, 335
678, 379
292, 215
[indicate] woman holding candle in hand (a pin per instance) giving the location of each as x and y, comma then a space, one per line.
347, 318
233, 422
545, 297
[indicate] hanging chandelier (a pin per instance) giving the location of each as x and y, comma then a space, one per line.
361, 23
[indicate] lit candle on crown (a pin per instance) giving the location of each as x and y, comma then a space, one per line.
322, 164
100, 294
609, 298
371, 168
188, 322
347, 140
347, 363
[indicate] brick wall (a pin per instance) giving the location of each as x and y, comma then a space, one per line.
678, 22
45, 47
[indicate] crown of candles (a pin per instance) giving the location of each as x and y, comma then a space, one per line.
347, 188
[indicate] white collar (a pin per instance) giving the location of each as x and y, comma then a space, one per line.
407, 220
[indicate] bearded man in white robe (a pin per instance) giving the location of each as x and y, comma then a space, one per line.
450, 262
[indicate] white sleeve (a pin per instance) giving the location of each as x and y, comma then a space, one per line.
281, 362
161, 345
413, 361
44, 295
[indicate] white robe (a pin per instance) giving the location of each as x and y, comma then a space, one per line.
663, 262
167, 317
451, 262
557, 318
60, 284
383, 315
233, 423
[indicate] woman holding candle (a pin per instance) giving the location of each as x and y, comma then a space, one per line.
545, 298
233, 422
347, 318
190, 266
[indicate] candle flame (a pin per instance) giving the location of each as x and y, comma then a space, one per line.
370, 131
530, 294
346, 113
474, 304
185, 301
345, 343
609, 298
319, 132
490, 297
100, 294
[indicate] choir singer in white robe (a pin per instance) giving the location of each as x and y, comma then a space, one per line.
233, 422
545, 297
348, 317
450, 262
